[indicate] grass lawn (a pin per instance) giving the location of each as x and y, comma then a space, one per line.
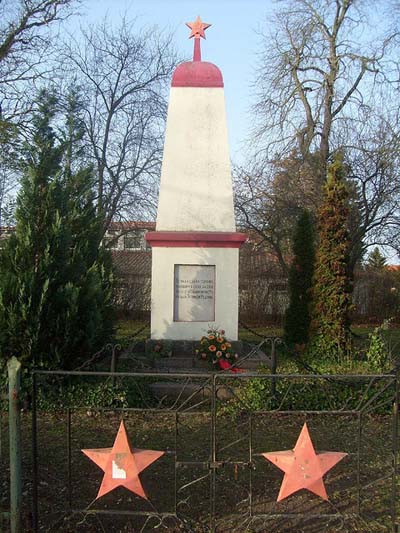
125, 328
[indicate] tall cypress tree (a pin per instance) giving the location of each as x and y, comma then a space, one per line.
297, 316
331, 283
55, 281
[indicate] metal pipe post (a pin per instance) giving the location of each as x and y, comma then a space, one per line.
14, 379
274, 364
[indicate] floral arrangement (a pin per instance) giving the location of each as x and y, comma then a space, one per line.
216, 348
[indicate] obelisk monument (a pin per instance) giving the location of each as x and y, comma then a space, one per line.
195, 248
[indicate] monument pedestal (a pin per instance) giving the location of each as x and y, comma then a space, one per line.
194, 283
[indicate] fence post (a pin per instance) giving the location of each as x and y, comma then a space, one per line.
274, 364
14, 378
395, 449
113, 364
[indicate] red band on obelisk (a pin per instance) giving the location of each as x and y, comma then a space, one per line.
195, 239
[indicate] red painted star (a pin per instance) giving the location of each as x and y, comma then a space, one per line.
197, 28
122, 464
303, 467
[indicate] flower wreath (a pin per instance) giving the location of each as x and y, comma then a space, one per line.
216, 348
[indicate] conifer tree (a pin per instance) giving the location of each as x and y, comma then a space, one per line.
55, 280
376, 261
297, 316
331, 291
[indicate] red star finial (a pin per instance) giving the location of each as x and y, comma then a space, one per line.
122, 464
303, 467
198, 28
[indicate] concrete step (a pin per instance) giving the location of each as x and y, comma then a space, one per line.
174, 362
182, 355
185, 347
189, 363
255, 362
195, 391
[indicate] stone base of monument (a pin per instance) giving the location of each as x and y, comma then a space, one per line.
180, 356
182, 360
183, 348
181, 364
196, 392
252, 358
189, 391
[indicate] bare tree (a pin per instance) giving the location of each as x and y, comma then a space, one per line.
323, 86
373, 163
268, 200
317, 75
26, 31
25, 36
123, 73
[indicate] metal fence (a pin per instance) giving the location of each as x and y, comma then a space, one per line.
214, 429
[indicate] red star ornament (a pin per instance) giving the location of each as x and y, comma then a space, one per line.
122, 464
197, 27
303, 467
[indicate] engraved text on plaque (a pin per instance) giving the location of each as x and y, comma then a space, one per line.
194, 293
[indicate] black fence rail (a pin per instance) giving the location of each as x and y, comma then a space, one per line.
214, 430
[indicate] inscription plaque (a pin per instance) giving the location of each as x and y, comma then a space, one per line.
194, 293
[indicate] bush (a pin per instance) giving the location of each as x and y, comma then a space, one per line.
67, 392
307, 394
377, 354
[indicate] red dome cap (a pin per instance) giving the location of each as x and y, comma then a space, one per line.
197, 74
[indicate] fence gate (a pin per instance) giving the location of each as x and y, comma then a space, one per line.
215, 432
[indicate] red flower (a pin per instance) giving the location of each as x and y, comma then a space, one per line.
224, 365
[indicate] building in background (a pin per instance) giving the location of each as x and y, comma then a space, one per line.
132, 262
263, 293
128, 236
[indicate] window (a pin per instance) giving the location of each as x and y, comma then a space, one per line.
111, 239
133, 240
